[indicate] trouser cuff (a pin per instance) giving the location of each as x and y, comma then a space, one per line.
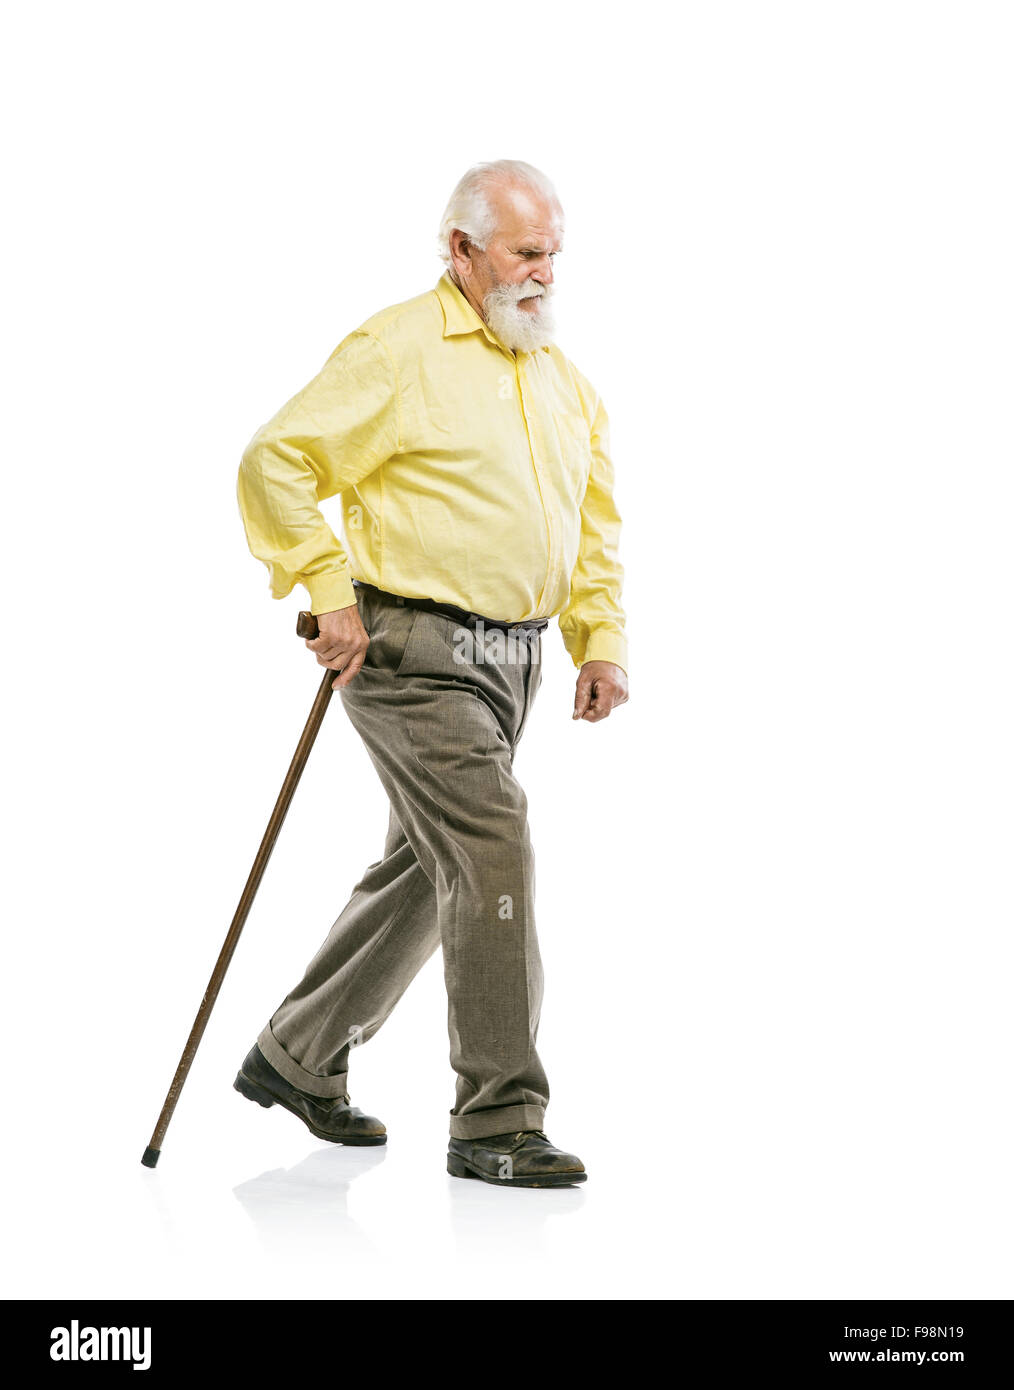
277, 1057
504, 1121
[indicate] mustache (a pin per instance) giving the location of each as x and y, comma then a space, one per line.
514, 293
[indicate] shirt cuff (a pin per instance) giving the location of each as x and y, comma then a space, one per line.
329, 591
604, 645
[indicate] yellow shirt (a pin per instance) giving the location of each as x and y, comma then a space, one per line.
468, 473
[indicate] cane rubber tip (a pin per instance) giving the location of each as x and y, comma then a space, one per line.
150, 1157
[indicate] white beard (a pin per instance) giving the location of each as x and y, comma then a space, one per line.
519, 329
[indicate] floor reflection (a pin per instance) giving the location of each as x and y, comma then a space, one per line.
301, 1216
303, 1210
511, 1220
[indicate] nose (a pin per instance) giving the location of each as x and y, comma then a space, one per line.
543, 271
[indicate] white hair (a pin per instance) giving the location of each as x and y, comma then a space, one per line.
469, 209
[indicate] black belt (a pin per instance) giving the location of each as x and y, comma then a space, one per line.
450, 610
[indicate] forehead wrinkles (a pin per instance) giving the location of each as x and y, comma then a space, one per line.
540, 235
521, 213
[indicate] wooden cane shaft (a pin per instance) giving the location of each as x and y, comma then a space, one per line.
299, 758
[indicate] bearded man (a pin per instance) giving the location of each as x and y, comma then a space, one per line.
472, 462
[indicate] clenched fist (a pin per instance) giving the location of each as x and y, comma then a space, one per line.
341, 643
601, 686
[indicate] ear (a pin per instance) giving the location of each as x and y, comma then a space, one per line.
461, 252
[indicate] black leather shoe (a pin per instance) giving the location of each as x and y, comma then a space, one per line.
525, 1158
325, 1116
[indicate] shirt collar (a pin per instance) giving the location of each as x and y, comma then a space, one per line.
460, 316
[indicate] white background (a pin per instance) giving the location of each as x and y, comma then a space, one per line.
775, 893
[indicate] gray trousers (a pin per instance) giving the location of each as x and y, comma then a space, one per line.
441, 712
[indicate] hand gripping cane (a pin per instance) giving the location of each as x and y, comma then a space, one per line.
306, 626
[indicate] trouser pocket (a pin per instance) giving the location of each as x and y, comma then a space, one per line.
389, 625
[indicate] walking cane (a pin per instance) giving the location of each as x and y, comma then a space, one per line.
306, 626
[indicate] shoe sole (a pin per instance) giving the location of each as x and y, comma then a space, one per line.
252, 1090
460, 1168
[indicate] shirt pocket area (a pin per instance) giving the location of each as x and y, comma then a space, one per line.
575, 450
